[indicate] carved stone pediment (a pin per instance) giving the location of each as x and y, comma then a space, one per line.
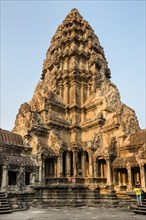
113, 147
55, 98
54, 142
142, 152
47, 151
97, 141
102, 152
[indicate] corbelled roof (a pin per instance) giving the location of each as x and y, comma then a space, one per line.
138, 138
16, 160
124, 161
74, 38
10, 138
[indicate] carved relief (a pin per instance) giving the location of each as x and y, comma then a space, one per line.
54, 142
113, 147
97, 141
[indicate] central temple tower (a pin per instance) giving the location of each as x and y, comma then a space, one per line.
76, 123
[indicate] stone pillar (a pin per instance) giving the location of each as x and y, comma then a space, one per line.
4, 177
73, 93
60, 159
43, 171
88, 91
143, 177
66, 93
83, 115
114, 177
32, 178
55, 167
82, 94
61, 90
91, 165
40, 163
119, 178
93, 88
75, 163
109, 172
124, 178
129, 187
95, 167
21, 178
102, 170
83, 164
68, 164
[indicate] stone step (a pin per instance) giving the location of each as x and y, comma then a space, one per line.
140, 211
140, 207
5, 212
4, 204
2, 196
143, 205
3, 199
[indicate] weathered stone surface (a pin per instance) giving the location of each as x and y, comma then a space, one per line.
76, 123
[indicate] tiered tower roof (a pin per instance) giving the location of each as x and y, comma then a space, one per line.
74, 46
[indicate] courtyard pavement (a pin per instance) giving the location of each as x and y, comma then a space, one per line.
74, 213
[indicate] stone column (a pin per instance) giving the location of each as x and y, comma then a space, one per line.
95, 167
143, 177
129, 187
4, 177
60, 159
61, 90
83, 115
114, 177
83, 164
40, 163
91, 165
40, 172
73, 93
21, 178
102, 170
82, 94
124, 178
68, 164
32, 178
55, 167
88, 91
119, 178
109, 172
75, 163
66, 93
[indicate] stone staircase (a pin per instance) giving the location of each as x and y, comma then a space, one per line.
140, 209
4, 204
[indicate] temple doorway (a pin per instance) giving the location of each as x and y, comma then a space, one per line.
12, 178
135, 175
101, 168
67, 163
49, 167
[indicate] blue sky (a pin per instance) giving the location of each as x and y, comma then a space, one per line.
26, 31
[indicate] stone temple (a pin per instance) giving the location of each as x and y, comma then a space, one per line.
75, 142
